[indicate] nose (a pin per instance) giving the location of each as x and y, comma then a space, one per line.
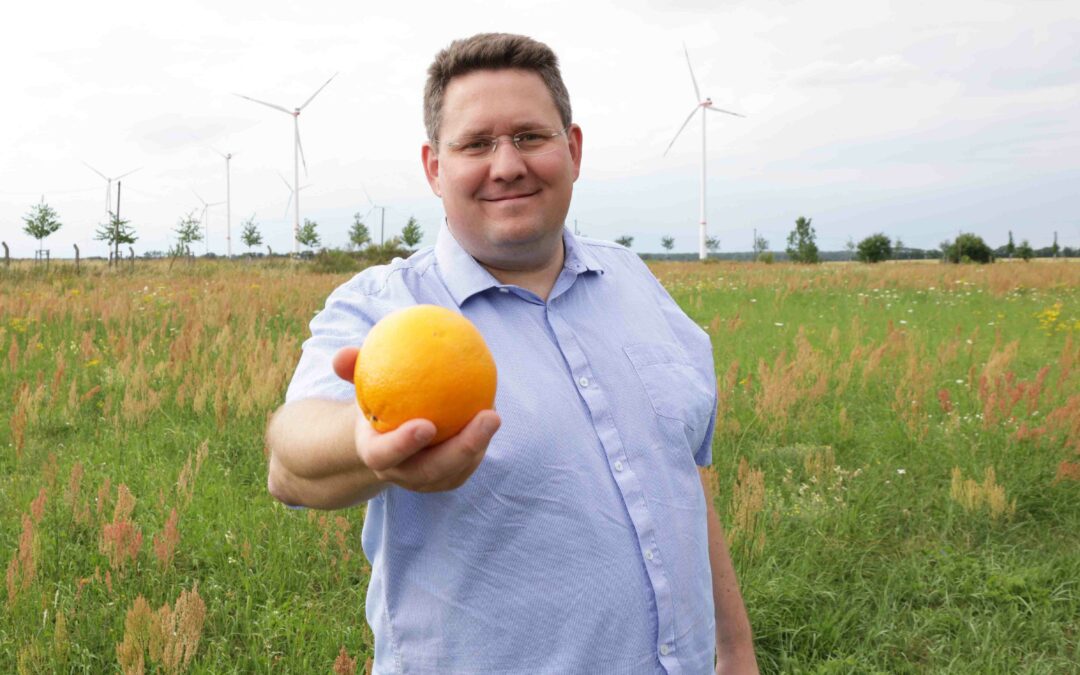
507, 164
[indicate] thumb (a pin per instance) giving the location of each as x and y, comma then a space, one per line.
345, 362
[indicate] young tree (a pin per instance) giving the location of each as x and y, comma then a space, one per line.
667, 242
850, 246
188, 231
761, 244
308, 236
898, 249
625, 240
41, 222
801, 246
115, 232
1024, 251
359, 237
712, 244
251, 236
875, 248
1010, 248
412, 233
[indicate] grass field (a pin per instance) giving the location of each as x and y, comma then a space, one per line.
897, 462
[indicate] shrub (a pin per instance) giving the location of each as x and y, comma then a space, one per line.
967, 248
874, 248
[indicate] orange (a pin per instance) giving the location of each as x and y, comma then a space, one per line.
424, 362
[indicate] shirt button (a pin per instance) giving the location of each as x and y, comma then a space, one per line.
648, 556
665, 650
618, 466
584, 382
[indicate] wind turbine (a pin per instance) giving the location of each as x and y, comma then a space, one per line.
228, 202
291, 193
298, 152
206, 225
108, 187
382, 209
702, 105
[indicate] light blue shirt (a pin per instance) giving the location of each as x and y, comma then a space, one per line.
579, 545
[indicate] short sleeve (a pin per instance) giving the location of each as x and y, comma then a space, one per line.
350, 312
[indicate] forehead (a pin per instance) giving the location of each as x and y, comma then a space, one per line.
497, 101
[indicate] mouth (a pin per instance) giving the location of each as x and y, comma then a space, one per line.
511, 198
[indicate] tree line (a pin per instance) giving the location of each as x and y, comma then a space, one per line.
43, 221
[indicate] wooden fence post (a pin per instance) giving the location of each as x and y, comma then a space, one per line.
7, 258
132, 250
76, 258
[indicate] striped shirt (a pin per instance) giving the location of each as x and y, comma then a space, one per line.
579, 545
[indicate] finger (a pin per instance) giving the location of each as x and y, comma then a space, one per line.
345, 362
384, 451
448, 464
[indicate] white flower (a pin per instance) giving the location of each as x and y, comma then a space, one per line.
901, 472
778, 324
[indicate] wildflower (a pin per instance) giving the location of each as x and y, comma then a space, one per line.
901, 472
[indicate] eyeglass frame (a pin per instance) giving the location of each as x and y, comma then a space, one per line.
496, 139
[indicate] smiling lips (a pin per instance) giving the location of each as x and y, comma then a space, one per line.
511, 197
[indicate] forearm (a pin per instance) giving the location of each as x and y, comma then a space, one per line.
313, 458
734, 639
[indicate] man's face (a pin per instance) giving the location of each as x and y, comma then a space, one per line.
506, 210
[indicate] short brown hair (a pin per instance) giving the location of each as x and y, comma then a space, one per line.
491, 51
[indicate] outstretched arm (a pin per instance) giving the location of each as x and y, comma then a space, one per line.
324, 454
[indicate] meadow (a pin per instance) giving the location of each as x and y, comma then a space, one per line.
896, 461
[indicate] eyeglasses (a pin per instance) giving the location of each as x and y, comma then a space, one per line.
528, 143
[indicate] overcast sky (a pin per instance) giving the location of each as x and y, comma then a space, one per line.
917, 119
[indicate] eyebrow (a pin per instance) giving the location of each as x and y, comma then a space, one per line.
517, 129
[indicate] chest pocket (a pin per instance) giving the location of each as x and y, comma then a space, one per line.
676, 389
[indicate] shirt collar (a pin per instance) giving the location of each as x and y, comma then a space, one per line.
464, 277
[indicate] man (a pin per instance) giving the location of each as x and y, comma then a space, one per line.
576, 539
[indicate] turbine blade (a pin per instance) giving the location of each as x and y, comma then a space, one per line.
312, 97
689, 117
287, 205
95, 171
199, 196
368, 198
693, 79
127, 174
721, 110
287, 183
300, 146
275, 107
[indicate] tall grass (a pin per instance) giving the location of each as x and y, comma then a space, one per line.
897, 462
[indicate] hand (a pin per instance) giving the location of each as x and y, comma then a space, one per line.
403, 457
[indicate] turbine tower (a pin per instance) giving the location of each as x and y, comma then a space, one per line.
382, 219
206, 225
701, 106
228, 202
298, 152
108, 187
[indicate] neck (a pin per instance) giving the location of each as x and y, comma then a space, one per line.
540, 280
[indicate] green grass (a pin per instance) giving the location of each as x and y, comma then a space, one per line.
868, 565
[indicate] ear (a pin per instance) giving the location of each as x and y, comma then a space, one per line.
430, 158
573, 139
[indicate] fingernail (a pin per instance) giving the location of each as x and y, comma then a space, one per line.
489, 426
424, 434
